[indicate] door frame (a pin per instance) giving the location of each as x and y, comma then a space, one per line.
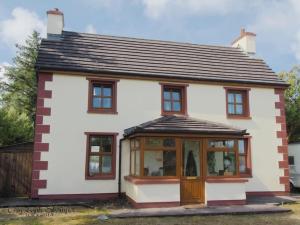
202, 167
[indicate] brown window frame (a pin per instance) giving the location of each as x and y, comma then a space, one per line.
183, 100
110, 176
144, 148
247, 154
245, 102
113, 83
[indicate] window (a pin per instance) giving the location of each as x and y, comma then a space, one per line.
173, 99
228, 158
237, 103
291, 160
135, 157
157, 157
102, 96
100, 156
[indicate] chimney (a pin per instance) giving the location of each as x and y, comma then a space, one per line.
246, 42
55, 23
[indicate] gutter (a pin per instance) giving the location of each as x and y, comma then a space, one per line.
120, 165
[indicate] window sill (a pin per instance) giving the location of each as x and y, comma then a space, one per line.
226, 180
101, 112
136, 180
103, 177
239, 117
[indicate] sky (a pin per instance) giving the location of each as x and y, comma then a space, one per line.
213, 22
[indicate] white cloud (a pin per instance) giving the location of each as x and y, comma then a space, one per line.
21, 24
277, 23
90, 29
158, 8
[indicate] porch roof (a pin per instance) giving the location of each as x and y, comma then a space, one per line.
184, 125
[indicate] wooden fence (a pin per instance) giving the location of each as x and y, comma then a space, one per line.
15, 170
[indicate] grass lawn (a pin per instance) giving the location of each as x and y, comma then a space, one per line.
81, 215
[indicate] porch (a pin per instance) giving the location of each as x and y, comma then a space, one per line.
178, 160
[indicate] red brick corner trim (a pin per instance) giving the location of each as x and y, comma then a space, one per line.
282, 134
40, 129
226, 202
152, 204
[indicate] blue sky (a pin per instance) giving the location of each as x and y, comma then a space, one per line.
217, 22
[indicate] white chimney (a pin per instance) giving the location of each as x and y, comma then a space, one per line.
55, 23
246, 41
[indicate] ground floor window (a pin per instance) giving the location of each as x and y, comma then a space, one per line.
161, 157
228, 157
100, 156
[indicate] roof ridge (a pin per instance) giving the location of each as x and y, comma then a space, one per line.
155, 40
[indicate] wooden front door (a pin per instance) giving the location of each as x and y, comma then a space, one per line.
192, 182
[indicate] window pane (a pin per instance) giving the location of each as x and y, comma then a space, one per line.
137, 143
95, 143
167, 106
176, 95
241, 145
238, 98
230, 98
132, 161
167, 95
221, 163
96, 102
160, 163
176, 106
93, 165
154, 142
191, 158
137, 163
106, 164
107, 91
221, 144
291, 160
231, 108
239, 109
96, 91
169, 142
106, 102
242, 164
106, 143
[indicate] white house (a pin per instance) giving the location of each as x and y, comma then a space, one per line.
161, 122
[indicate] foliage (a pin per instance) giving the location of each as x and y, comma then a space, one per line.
15, 127
292, 100
18, 94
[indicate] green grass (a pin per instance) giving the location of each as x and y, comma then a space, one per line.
81, 215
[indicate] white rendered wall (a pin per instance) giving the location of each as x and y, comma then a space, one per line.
224, 191
294, 150
153, 192
137, 102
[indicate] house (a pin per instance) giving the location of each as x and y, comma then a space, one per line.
164, 123
294, 164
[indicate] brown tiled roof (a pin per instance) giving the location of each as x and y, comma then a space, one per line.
184, 125
99, 54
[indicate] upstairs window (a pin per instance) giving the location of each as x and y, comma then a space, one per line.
173, 99
102, 96
237, 103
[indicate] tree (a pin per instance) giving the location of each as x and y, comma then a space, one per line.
292, 103
18, 94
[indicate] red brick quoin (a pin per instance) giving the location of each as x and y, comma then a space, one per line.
40, 129
282, 134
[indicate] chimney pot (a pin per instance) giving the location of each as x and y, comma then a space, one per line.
246, 42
